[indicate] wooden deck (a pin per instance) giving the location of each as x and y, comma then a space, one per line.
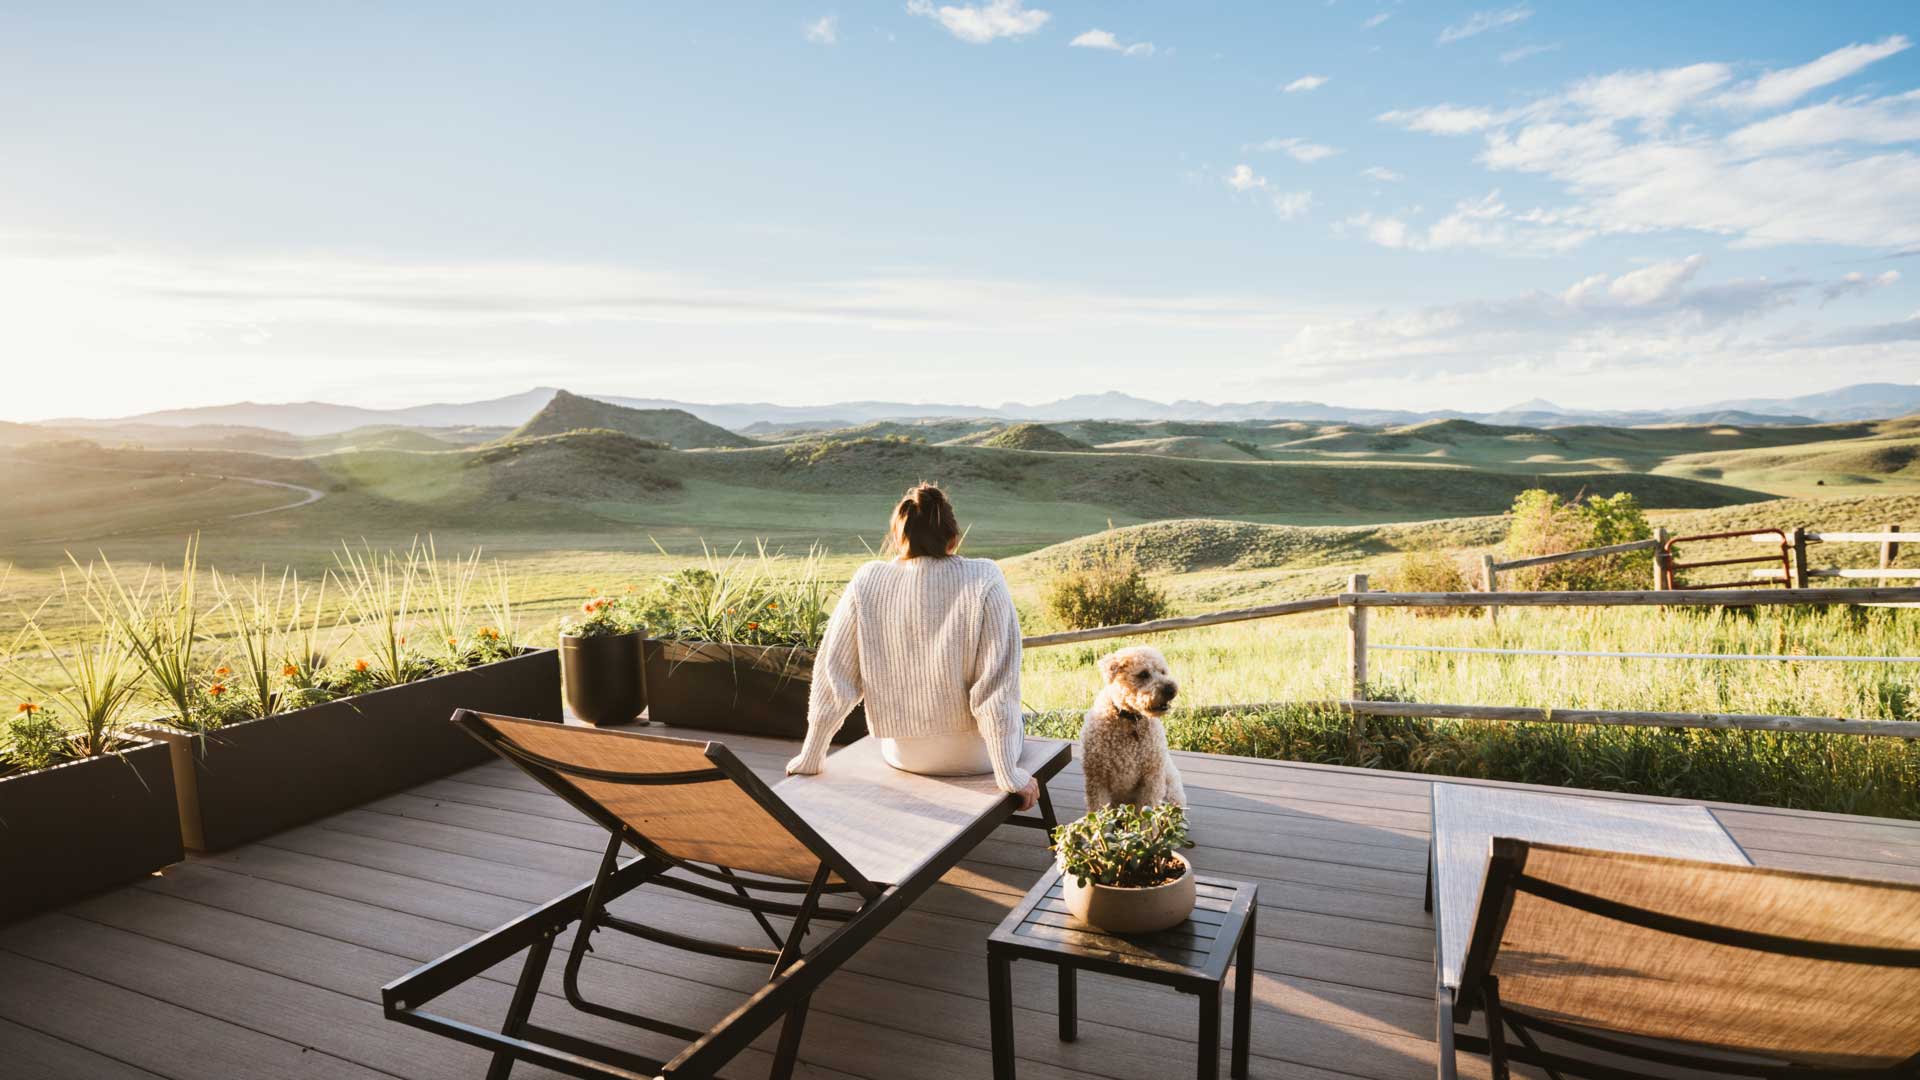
266, 962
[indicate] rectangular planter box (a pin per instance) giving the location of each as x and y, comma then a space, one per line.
249, 780
84, 826
752, 689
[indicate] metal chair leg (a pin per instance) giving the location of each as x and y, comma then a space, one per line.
788, 1052
531, 974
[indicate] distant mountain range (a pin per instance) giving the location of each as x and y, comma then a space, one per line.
1864, 401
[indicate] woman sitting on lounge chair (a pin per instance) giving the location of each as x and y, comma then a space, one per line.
931, 642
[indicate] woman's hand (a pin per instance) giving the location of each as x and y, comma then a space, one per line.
1029, 794
797, 767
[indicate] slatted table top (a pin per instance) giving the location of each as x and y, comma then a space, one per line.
1200, 949
1467, 817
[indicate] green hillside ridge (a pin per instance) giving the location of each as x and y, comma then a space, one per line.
675, 427
1025, 437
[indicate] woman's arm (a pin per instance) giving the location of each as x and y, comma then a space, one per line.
994, 694
836, 684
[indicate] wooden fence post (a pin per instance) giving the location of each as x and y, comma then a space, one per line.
1660, 559
1888, 551
1357, 641
1490, 584
1797, 536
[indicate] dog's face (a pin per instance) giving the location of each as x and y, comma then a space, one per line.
1138, 679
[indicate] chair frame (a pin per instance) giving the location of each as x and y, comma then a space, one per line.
1479, 988
795, 971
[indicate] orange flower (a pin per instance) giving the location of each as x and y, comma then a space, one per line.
217, 689
753, 626
28, 707
403, 639
223, 671
453, 641
629, 588
593, 592
289, 671
359, 665
773, 607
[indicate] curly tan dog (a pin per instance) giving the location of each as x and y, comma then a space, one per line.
1123, 748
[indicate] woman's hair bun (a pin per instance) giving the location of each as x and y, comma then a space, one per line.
923, 523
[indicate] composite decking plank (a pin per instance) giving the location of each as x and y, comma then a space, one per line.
354, 970
35, 1055
349, 1028
152, 1033
741, 978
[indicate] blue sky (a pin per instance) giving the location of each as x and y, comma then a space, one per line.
1414, 205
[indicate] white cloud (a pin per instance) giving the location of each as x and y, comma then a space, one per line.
1777, 88
1443, 119
1103, 39
1656, 315
1484, 224
1295, 147
1482, 21
824, 31
1638, 152
1291, 204
1864, 120
1857, 284
1304, 83
1287, 204
1375, 20
1243, 178
1652, 97
1514, 56
1382, 174
979, 24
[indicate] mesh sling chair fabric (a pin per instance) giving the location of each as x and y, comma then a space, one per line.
705, 825
1706, 966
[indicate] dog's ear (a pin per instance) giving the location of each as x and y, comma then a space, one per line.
1109, 666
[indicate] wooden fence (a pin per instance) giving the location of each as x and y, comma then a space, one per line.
1358, 602
1889, 541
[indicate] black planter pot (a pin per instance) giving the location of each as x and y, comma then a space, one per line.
84, 826
603, 679
245, 781
752, 689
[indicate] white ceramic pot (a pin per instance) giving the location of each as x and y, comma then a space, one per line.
1120, 910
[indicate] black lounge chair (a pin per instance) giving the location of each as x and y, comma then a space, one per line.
704, 824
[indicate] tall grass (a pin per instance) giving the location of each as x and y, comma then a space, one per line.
448, 589
1299, 658
91, 685
260, 612
381, 590
159, 619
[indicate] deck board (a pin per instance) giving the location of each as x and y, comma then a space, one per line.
267, 960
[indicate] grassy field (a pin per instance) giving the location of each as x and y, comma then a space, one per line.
1220, 515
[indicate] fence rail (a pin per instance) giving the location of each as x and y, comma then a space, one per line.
1357, 602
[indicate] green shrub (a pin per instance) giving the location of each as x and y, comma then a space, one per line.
1430, 571
34, 740
1541, 523
1838, 774
1107, 590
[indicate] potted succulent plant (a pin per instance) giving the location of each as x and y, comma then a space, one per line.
1121, 869
84, 804
600, 661
736, 643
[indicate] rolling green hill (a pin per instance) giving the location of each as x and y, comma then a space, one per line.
675, 427
1024, 437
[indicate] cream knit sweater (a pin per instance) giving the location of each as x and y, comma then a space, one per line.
933, 646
